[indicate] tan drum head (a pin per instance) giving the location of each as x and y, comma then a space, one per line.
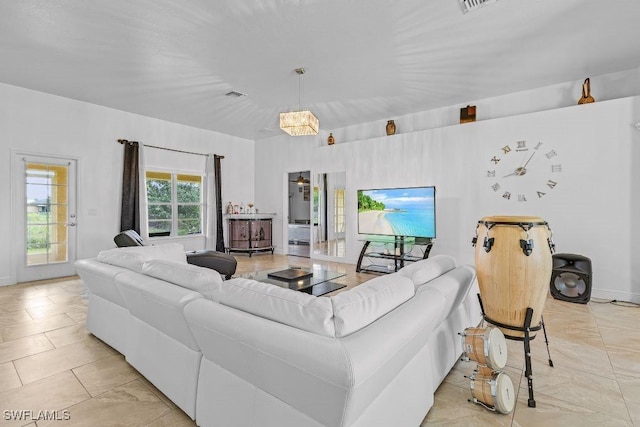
497, 349
505, 398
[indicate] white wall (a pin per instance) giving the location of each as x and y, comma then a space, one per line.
590, 210
45, 124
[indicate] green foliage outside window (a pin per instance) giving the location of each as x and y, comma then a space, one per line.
187, 206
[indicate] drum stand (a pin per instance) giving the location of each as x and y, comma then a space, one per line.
526, 329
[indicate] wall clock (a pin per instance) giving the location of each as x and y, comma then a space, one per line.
524, 172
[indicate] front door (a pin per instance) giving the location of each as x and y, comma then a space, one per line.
45, 212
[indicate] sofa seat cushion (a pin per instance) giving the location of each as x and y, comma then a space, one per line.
286, 306
133, 258
199, 279
425, 270
364, 304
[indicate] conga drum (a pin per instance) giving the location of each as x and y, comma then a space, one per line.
513, 263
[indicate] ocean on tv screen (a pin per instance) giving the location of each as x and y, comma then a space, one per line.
397, 211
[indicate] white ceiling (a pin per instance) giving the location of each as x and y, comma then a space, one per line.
366, 60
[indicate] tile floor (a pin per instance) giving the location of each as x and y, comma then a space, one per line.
48, 362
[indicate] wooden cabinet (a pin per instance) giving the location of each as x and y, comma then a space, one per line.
249, 234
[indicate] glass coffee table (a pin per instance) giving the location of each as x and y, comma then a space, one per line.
316, 280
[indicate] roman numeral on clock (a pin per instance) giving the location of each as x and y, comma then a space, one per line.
551, 184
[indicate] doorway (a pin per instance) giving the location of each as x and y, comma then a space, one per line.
299, 213
329, 218
45, 217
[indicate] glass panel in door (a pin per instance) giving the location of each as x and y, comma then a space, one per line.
46, 213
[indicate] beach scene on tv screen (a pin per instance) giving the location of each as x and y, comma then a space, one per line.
397, 212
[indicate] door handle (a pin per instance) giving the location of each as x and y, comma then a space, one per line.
70, 224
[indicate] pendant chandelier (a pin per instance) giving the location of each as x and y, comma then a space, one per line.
301, 122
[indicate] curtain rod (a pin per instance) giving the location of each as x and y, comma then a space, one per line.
125, 141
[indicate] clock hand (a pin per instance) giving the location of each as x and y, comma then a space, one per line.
525, 165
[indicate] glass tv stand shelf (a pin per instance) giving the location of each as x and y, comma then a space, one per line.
391, 248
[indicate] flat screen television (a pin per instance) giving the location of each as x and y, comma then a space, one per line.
407, 211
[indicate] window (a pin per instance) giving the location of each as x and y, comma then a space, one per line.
174, 204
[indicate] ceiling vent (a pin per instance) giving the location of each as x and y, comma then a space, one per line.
234, 94
469, 5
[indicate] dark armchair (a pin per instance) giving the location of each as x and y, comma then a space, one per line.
223, 263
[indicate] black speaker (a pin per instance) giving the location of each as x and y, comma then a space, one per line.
571, 278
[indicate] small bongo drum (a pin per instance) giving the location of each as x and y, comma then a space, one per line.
486, 346
495, 391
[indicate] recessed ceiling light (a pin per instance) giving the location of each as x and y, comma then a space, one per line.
235, 94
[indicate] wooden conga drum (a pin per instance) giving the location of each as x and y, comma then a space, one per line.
513, 263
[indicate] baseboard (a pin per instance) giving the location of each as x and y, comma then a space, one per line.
6, 281
615, 295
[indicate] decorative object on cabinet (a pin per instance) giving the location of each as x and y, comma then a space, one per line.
250, 233
468, 114
586, 93
229, 208
331, 140
301, 122
391, 127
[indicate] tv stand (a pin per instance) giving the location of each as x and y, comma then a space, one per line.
381, 249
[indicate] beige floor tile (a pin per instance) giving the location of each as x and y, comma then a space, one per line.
42, 365
131, 404
13, 317
12, 304
175, 418
36, 326
104, 374
158, 393
634, 412
552, 412
452, 408
53, 309
8, 377
615, 316
50, 394
79, 316
623, 339
630, 388
68, 335
24, 347
625, 362
598, 393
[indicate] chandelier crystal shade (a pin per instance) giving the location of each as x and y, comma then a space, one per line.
297, 123
302, 122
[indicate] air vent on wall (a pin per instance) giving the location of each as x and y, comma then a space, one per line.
469, 5
234, 94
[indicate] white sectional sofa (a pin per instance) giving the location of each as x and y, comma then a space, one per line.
244, 353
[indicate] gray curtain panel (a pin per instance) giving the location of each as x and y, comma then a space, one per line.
218, 179
130, 213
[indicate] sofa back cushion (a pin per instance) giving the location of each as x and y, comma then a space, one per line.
425, 270
364, 304
133, 258
199, 279
283, 305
